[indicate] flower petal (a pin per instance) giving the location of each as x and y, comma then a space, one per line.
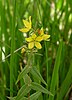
42, 31
29, 39
24, 30
39, 38
31, 45
38, 45
45, 36
26, 23
34, 36
30, 20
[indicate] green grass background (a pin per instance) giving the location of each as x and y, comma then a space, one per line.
55, 64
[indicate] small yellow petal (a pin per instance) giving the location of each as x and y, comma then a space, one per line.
22, 50
45, 36
34, 36
38, 45
24, 30
30, 45
29, 39
39, 38
42, 31
30, 19
26, 23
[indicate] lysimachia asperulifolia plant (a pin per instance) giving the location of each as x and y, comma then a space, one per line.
33, 43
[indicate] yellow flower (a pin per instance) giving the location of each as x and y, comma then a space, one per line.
27, 25
44, 36
22, 50
34, 41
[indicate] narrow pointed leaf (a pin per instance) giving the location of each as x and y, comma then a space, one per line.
37, 75
35, 96
27, 79
66, 84
55, 71
11, 98
38, 87
24, 98
23, 73
23, 91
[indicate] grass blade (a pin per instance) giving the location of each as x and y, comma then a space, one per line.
66, 84
12, 47
55, 71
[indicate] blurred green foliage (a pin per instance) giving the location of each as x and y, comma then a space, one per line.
55, 64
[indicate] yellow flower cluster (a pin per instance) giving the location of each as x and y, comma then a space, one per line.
34, 39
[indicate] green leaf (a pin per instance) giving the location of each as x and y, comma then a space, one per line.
23, 91
12, 58
2, 97
11, 98
55, 71
23, 98
59, 4
66, 84
27, 79
14, 98
38, 87
37, 75
23, 73
35, 95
